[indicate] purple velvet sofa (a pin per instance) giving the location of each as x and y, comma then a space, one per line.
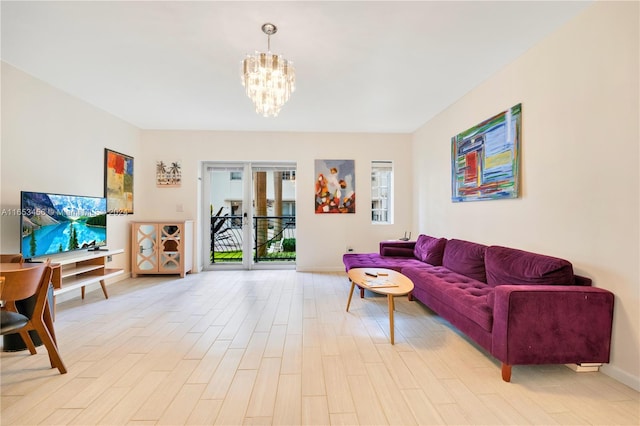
521, 307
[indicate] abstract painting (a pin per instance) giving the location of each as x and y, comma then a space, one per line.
335, 190
485, 159
118, 182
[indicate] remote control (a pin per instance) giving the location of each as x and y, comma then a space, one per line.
371, 274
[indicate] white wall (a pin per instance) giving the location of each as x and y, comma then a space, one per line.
53, 142
580, 182
321, 239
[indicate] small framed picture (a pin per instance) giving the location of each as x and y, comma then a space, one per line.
168, 174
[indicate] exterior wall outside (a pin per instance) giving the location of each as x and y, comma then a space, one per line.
580, 183
224, 190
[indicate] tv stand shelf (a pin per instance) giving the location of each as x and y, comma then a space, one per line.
78, 270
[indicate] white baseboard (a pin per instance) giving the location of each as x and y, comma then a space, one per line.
622, 376
321, 269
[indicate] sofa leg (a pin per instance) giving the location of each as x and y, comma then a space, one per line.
506, 372
361, 292
410, 297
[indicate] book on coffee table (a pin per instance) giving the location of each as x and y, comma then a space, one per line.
379, 282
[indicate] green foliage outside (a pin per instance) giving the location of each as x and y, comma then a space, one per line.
229, 256
236, 256
289, 244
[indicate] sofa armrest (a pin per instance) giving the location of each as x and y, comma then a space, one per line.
584, 281
550, 324
397, 248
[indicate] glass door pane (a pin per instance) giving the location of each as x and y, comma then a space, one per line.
274, 214
227, 212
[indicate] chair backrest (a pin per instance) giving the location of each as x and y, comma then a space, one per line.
43, 289
24, 283
11, 258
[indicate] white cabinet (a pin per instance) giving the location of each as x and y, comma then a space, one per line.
161, 247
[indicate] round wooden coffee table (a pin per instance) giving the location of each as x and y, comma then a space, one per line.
387, 282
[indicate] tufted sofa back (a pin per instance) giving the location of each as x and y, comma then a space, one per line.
511, 266
466, 258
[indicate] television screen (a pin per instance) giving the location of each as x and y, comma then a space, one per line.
58, 223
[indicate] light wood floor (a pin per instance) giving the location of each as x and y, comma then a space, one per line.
277, 347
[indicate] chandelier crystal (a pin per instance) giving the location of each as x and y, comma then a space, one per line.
268, 79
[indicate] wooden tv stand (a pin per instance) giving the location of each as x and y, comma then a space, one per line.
77, 270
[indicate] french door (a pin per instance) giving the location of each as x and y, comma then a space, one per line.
250, 214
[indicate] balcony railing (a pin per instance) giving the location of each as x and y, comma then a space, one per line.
274, 239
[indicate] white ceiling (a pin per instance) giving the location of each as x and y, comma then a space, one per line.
362, 66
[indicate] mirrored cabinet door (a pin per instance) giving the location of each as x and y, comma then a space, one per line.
162, 247
146, 253
170, 255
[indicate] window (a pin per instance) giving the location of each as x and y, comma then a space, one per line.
235, 175
381, 192
289, 175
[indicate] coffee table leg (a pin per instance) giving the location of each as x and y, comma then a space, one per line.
391, 308
350, 294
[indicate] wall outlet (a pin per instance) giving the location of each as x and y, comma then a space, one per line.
109, 258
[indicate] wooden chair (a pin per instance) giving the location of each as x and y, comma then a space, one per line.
11, 258
22, 284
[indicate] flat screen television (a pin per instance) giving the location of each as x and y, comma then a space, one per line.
59, 223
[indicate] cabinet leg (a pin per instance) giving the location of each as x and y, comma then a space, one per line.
82, 292
104, 288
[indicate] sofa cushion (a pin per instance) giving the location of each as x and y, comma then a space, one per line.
466, 258
430, 249
466, 296
511, 266
374, 260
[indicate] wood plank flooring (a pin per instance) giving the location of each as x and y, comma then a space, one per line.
277, 347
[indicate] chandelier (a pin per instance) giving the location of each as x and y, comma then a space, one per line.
268, 79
